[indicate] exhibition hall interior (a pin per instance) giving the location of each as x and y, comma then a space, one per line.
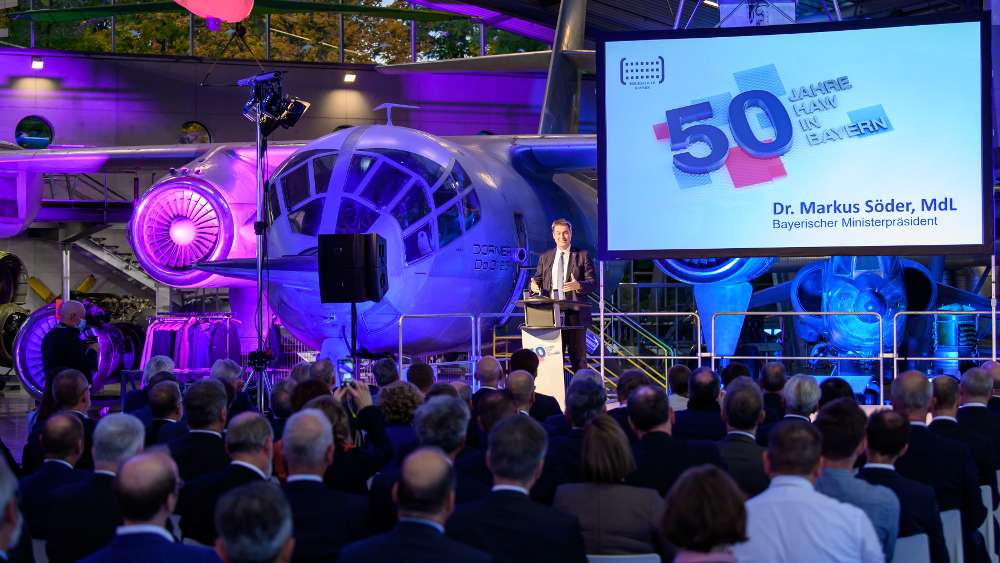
512, 281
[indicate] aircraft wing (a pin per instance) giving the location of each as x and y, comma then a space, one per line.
539, 154
771, 295
301, 272
104, 159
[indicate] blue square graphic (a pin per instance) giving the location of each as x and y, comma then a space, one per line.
761, 78
868, 114
685, 180
765, 123
720, 110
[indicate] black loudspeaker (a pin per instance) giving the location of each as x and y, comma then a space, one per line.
352, 268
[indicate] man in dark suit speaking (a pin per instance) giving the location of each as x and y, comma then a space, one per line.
574, 271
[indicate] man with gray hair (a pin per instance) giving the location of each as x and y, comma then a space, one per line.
385, 372
561, 422
135, 400
325, 520
231, 372
799, 399
62, 347
488, 373
202, 450
255, 526
975, 391
742, 411
994, 369
281, 404
585, 399
441, 422
248, 441
507, 523
300, 372
71, 538
324, 370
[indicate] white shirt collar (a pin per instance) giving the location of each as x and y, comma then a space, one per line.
481, 387
172, 420
880, 466
104, 472
918, 423
253, 468
790, 481
525, 413
212, 432
144, 529
805, 418
742, 433
974, 405
431, 523
510, 488
304, 477
951, 418
62, 461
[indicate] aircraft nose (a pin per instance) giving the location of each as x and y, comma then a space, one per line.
869, 301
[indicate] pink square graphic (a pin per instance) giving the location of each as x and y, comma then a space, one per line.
661, 131
746, 170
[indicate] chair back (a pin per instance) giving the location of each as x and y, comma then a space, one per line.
913, 549
640, 558
951, 521
987, 528
38, 546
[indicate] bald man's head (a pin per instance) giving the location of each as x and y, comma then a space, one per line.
72, 312
522, 385
994, 369
146, 487
911, 395
488, 371
704, 384
464, 391
426, 484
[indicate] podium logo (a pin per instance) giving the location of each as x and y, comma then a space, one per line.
641, 74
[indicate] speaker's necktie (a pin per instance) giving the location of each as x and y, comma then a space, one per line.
560, 276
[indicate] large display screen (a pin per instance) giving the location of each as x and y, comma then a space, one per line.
863, 138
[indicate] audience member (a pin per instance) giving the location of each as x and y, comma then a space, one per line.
615, 519
813, 526
507, 523
425, 494
232, 373
677, 378
659, 457
165, 406
975, 390
488, 373
255, 525
281, 404
202, 450
584, 400
887, 434
545, 405
834, 388
702, 419
324, 370
464, 392
939, 462
994, 403
397, 403
441, 422
300, 372
248, 441
145, 414
629, 381
325, 520
421, 376
117, 437
772, 381
561, 422
441, 388
742, 411
15, 545
704, 516
306, 391
135, 400
146, 489
842, 425
495, 406
62, 446
472, 434
522, 385
70, 394
799, 399
385, 372
732, 371
944, 408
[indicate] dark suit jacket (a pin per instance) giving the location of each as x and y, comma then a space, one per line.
516, 529
351, 468
196, 505
198, 454
172, 431
981, 421
324, 520
770, 416
773, 401
62, 348
145, 415
153, 431
699, 422
135, 400
560, 423
745, 459
580, 266
660, 459
994, 405
764, 430
980, 448
621, 416
241, 404
544, 490
407, 449
72, 537
544, 407
918, 508
36, 491
32, 455
278, 427
412, 542
384, 511
947, 466
150, 548
568, 452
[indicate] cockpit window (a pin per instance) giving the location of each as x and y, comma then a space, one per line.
422, 166
412, 207
295, 185
354, 217
305, 220
471, 209
360, 165
322, 171
295, 160
457, 181
449, 226
273, 209
385, 184
418, 244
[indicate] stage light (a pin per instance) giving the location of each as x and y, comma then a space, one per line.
37, 63
274, 107
350, 77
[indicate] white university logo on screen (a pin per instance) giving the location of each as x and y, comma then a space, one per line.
641, 74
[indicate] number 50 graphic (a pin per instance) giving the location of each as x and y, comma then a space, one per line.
716, 139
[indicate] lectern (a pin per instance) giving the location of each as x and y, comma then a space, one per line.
542, 334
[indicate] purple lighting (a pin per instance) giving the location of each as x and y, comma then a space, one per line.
182, 231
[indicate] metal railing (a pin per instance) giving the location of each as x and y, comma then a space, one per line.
641, 358
895, 337
472, 350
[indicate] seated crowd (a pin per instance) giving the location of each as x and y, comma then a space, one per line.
721, 470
